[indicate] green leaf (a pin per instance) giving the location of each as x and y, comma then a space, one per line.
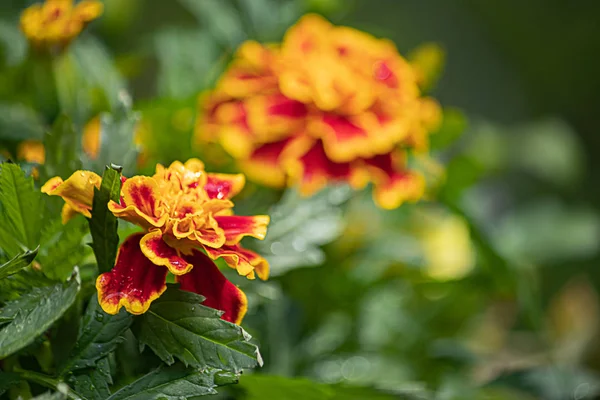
99, 335
19, 122
174, 383
256, 387
178, 326
35, 312
300, 225
51, 396
221, 19
17, 263
454, 124
116, 139
103, 224
63, 249
7, 380
20, 211
14, 286
62, 144
93, 384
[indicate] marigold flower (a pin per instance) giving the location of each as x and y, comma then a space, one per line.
327, 104
188, 221
57, 22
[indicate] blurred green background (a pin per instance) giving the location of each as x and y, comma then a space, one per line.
487, 290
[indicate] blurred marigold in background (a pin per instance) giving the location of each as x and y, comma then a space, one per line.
54, 23
328, 104
187, 218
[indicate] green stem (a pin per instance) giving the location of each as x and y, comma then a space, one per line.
46, 381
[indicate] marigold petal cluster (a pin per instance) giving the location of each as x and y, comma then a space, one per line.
55, 23
329, 103
188, 221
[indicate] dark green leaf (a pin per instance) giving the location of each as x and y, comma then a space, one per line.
17, 263
7, 380
99, 335
62, 251
93, 384
51, 396
62, 145
18, 122
14, 286
173, 383
178, 326
103, 224
21, 211
33, 313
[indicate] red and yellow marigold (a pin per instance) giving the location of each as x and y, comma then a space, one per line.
55, 23
188, 221
329, 103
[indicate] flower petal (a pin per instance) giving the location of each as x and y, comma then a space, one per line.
139, 202
212, 235
206, 280
393, 183
236, 227
134, 282
224, 186
264, 166
246, 262
157, 251
77, 191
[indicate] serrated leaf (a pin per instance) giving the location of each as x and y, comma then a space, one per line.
21, 211
14, 286
17, 263
93, 384
33, 313
62, 144
173, 383
64, 249
100, 334
300, 225
177, 325
8, 380
19, 122
103, 224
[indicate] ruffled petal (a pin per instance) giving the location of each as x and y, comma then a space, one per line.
236, 227
134, 282
264, 165
157, 251
393, 183
245, 261
224, 186
313, 170
211, 234
139, 202
206, 280
77, 191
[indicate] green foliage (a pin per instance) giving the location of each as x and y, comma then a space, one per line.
62, 144
35, 312
17, 263
300, 225
454, 124
174, 383
7, 380
62, 247
178, 326
19, 122
103, 224
93, 384
20, 211
255, 387
99, 335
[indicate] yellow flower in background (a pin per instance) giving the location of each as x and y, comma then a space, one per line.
31, 151
328, 104
55, 23
188, 221
447, 247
